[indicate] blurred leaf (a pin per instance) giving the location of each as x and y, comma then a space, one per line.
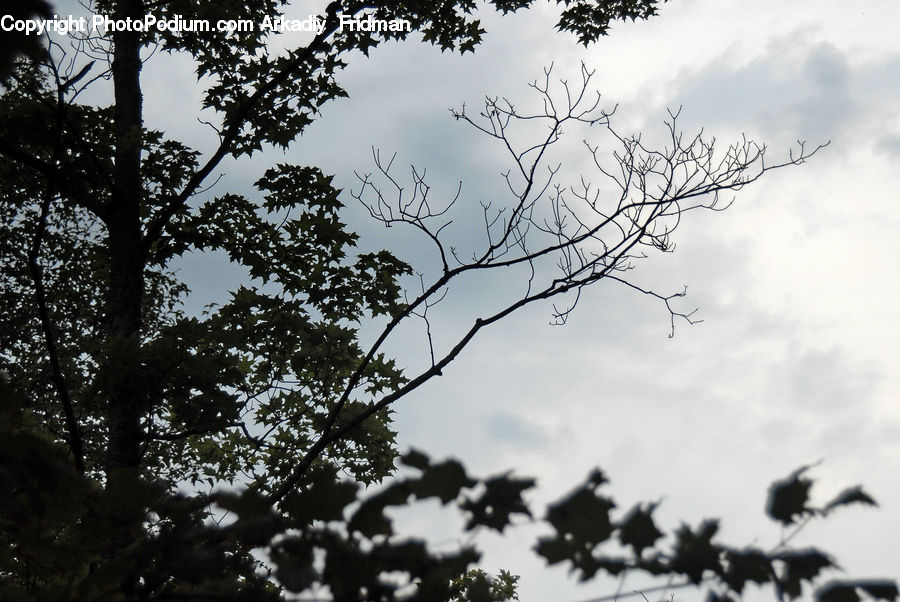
800, 566
324, 498
369, 520
846, 591
247, 504
444, 481
880, 589
553, 549
638, 529
837, 592
695, 553
415, 459
502, 497
788, 497
746, 565
583, 515
851, 495
293, 558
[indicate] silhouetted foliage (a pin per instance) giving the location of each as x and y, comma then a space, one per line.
14, 43
329, 537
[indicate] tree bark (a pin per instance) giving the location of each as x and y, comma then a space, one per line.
126, 269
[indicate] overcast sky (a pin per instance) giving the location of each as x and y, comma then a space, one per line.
797, 283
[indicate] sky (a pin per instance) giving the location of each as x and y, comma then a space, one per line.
796, 283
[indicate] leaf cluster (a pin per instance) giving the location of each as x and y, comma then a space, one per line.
583, 522
330, 536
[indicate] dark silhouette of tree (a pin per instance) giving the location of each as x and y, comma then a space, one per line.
13, 42
114, 397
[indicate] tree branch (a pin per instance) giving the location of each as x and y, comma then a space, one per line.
657, 187
231, 132
34, 268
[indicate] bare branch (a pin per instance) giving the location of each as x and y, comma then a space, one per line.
566, 237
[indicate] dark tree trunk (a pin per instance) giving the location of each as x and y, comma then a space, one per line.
126, 264
122, 363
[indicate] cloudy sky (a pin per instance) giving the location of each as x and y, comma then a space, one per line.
796, 283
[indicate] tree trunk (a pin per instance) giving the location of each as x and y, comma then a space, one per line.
126, 264
122, 364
